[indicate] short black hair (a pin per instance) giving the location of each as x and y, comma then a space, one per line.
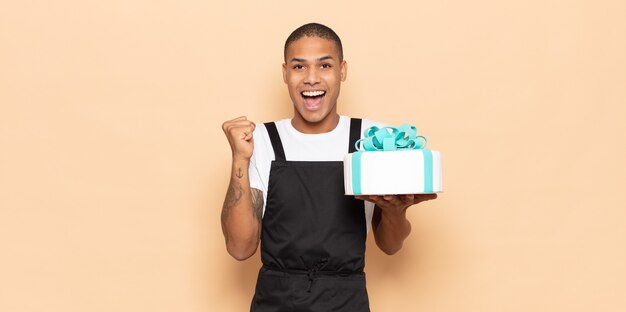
315, 30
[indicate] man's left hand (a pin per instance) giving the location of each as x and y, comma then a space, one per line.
396, 203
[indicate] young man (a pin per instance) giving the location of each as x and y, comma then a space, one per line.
286, 191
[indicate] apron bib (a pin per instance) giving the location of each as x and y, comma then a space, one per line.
312, 237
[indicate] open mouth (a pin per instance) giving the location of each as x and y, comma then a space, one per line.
313, 99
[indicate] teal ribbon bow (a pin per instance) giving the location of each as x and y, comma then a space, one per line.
390, 139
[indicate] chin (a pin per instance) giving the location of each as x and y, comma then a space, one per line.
313, 117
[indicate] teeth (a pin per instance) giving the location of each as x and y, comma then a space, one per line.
313, 93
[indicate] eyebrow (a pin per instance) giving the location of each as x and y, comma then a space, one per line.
323, 58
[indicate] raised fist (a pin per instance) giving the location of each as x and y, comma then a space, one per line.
239, 134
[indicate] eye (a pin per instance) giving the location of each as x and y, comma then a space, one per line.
298, 67
326, 66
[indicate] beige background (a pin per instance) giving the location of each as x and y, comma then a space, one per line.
113, 165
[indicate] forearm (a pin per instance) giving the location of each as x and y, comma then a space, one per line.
241, 218
392, 229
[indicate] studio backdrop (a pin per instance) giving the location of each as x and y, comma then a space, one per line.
114, 167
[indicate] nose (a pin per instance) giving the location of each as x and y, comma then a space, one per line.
312, 76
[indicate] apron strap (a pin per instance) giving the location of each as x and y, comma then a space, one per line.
277, 145
355, 133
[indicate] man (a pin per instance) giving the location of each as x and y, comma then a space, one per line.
286, 191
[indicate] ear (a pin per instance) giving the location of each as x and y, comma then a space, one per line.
344, 70
285, 72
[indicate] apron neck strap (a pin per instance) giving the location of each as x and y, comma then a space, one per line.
277, 145
355, 133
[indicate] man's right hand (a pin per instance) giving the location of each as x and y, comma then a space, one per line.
239, 134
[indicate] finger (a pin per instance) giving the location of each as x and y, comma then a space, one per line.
363, 197
248, 137
371, 198
424, 197
228, 123
241, 123
407, 199
243, 130
393, 200
378, 200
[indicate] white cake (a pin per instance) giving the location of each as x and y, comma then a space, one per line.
410, 171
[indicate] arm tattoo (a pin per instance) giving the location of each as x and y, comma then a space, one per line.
233, 196
257, 203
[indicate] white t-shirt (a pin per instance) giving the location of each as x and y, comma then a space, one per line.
298, 146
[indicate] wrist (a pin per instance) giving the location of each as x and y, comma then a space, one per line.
240, 167
393, 215
241, 160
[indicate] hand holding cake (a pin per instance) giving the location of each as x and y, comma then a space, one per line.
396, 201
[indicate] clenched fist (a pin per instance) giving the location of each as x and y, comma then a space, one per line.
239, 134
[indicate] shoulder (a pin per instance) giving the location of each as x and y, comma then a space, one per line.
370, 123
263, 150
260, 133
262, 145
281, 125
367, 123
261, 129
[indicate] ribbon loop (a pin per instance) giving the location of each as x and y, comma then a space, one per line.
391, 139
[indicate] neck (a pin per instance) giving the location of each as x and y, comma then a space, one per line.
327, 124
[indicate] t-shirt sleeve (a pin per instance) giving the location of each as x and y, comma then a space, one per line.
255, 177
368, 123
255, 169
369, 213
259, 168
